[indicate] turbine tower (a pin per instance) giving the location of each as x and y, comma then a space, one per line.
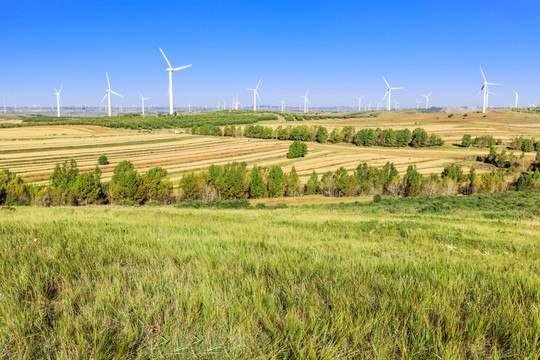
427, 99
517, 99
170, 69
4, 101
255, 95
108, 94
486, 91
283, 105
57, 93
306, 101
142, 100
388, 94
359, 102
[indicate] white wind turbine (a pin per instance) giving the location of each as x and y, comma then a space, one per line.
359, 102
235, 103
427, 99
108, 94
4, 101
142, 100
486, 91
282, 105
255, 95
517, 98
306, 101
170, 69
57, 93
388, 94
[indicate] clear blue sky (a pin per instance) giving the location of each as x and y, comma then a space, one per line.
338, 49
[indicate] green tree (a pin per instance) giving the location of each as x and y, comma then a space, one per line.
322, 135
276, 183
158, 188
102, 160
419, 138
412, 181
256, 184
127, 184
312, 185
466, 140
336, 136
293, 184
88, 188
192, 186
297, 149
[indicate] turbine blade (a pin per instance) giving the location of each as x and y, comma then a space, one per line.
167, 60
494, 84
482, 71
181, 67
102, 100
117, 94
387, 84
108, 82
259, 83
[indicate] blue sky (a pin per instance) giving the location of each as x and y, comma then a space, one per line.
338, 49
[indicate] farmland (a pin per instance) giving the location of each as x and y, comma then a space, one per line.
32, 151
405, 278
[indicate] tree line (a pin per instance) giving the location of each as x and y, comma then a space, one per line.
68, 186
348, 134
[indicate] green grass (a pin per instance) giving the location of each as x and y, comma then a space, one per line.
365, 280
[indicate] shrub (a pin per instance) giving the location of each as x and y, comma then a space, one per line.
157, 187
102, 160
412, 181
377, 198
419, 138
297, 149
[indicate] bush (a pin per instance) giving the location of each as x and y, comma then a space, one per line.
377, 198
157, 187
102, 160
297, 149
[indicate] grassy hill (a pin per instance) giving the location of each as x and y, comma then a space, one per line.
404, 278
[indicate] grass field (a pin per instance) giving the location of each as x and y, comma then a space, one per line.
405, 278
32, 152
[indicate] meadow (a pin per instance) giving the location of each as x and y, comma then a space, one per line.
449, 277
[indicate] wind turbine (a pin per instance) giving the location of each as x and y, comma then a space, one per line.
4, 101
170, 69
108, 94
427, 99
388, 94
57, 93
283, 105
306, 101
359, 102
517, 98
255, 95
486, 92
142, 100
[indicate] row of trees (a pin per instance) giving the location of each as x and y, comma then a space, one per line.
364, 137
68, 186
524, 144
234, 181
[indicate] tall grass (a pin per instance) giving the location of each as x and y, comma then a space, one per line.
303, 282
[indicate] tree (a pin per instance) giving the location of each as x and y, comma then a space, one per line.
276, 182
256, 184
192, 186
453, 172
336, 136
412, 181
403, 138
293, 184
157, 186
88, 188
62, 182
297, 149
127, 184
102, 160
466, 140
322, 135
348, 133
419, 138
312, 185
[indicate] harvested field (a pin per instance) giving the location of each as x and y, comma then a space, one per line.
32, 152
